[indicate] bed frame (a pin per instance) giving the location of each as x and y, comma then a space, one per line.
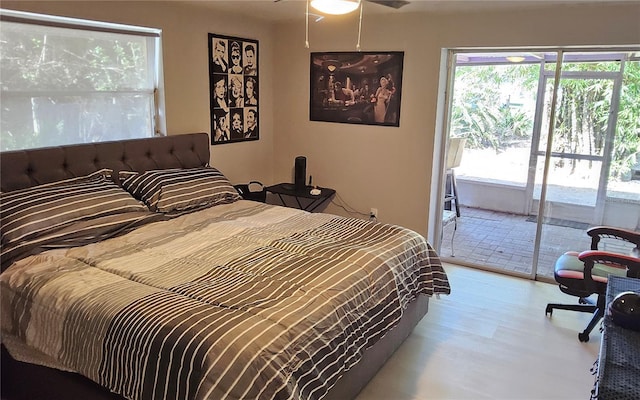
25, 168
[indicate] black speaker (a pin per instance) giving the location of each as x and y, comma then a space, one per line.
300, 173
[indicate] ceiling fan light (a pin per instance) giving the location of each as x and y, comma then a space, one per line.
335, 7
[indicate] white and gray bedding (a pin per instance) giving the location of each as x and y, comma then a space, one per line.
67, 213
240, 300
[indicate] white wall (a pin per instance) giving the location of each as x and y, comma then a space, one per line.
390, 168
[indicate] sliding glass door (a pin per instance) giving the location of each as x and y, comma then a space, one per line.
568, 152
583, 138
581, 158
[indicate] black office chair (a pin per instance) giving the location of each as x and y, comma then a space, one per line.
586, 273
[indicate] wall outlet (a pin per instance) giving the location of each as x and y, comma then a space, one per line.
374, 212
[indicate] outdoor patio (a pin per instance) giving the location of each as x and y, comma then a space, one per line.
503, 241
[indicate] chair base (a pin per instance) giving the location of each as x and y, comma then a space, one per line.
585, 305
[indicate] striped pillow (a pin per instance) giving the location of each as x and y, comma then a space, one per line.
78, 234
178, 191
29, 213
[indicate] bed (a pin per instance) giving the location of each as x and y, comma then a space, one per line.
171, 286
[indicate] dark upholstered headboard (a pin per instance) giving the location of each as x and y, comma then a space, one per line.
25, 168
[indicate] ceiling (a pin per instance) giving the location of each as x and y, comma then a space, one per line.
287, 10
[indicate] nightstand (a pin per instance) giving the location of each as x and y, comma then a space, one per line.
301, 196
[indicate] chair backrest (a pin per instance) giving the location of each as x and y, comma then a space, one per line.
454, 154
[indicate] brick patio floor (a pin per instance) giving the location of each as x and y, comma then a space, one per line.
503, 241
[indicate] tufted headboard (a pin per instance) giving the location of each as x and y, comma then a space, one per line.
25, 168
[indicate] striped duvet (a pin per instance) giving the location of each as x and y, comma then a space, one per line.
238, 301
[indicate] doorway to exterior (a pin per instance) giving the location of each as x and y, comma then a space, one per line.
536, 173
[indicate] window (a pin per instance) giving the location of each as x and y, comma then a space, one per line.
70, 81
493, 109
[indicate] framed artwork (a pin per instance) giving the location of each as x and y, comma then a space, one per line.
233, 88
356, 87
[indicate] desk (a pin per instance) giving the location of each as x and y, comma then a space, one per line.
289, 189
619, 361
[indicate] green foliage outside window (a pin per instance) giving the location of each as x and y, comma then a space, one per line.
483, 116
62, 86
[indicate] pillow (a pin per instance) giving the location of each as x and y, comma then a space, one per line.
27, 214
178, 191
79, 233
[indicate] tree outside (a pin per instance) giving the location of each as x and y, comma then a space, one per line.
62, 86
494, 109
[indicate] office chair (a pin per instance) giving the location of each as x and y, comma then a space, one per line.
586, 273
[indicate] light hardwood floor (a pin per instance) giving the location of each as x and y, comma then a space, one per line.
490, 339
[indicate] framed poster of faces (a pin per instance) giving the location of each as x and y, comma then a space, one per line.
233, 88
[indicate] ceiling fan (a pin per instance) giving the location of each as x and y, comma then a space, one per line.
388, 3
337, 7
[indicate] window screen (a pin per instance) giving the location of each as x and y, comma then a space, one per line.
69, 81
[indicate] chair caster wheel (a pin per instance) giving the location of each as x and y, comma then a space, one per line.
548, 310
583, 337
582, 301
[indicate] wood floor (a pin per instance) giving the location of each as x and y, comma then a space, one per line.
490, 339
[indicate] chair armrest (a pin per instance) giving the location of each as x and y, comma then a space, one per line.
609, 258
591, 257
599, 232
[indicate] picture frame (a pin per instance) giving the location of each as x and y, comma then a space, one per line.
233, 89
356, 87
